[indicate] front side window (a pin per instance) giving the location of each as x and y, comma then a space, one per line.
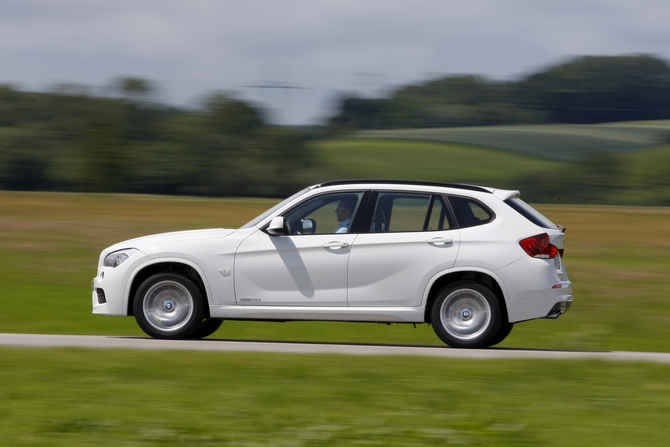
324, 214
397, 212
272, 210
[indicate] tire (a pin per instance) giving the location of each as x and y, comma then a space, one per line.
466, 314
207, 328
170, 306
503, 332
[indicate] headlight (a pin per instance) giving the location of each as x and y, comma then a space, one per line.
116, 259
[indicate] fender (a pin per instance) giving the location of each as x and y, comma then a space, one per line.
438, 275
154, 261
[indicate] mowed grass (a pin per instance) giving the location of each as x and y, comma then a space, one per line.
425, 160
71, 397
567, 142
617, 258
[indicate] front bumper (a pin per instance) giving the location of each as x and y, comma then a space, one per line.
109, 290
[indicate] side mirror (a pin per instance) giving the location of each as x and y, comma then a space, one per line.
308, 226
276, 227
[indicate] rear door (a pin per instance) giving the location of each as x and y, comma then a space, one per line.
411, 237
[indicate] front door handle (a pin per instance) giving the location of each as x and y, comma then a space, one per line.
336, 245
440, 241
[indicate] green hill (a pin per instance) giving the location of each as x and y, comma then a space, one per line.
566, 142
615, 164
426, 160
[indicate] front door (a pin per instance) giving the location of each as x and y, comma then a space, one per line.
307, 266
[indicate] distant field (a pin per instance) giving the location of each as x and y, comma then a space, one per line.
617, 259
425, 160
566, 142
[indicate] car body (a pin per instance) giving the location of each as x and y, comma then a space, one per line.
470, 260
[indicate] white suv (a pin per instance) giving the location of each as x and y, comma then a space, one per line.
469, 260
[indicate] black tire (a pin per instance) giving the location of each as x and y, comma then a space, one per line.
503, 332
466, 314
170, 306
207, 328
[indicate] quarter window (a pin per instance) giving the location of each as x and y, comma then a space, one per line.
470, 213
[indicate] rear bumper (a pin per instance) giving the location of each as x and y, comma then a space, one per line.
562, 305
535, 288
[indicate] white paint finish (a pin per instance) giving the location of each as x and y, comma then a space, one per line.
393, 269
115, 281
496, 244
149, 242
298, 270
529, 283
368, 277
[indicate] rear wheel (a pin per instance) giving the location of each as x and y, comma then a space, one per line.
169, 305
466, 314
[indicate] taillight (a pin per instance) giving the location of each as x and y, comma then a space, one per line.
539, 246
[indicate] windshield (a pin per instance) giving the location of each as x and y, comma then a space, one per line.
272, 210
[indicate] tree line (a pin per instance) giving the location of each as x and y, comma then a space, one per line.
584, 90
69, 140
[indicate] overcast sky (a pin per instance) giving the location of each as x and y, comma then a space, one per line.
191, 48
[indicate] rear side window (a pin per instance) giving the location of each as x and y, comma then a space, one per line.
470, 213
530, 213
404, 212
400, 212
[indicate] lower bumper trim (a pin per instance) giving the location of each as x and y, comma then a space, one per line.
559, 309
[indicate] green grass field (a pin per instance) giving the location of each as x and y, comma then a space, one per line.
567, 142
617, 259
72, 397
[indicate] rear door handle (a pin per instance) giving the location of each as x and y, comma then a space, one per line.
336, 245
439, 241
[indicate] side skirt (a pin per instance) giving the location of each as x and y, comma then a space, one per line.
287, 313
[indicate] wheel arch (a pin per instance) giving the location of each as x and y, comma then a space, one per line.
484, 277
163, 266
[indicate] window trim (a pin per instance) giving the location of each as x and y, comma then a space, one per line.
448, 214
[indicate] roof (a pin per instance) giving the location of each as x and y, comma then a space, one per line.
403, 182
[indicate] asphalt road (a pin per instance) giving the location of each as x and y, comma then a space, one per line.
106, 342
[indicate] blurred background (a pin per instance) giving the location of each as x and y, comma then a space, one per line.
563, 100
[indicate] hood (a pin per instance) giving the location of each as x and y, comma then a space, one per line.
176, 236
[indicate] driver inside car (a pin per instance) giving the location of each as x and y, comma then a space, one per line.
344, 212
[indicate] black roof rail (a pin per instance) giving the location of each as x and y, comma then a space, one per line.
403, 182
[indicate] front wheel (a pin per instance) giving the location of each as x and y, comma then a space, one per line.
207, 328
466, 314
169, 305
503, 332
